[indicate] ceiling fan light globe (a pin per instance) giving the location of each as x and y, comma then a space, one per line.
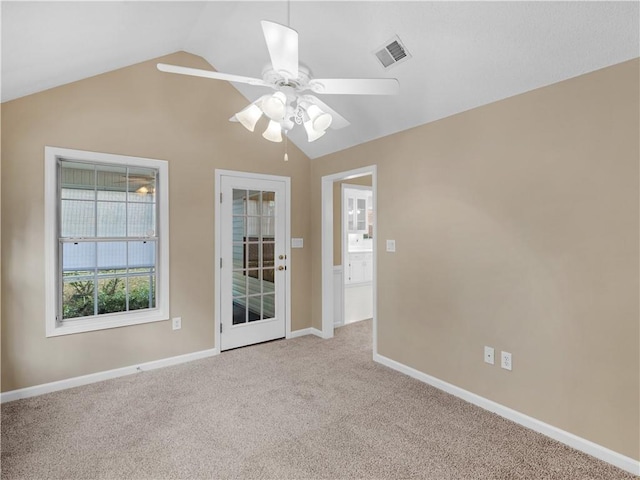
273, 133
312, 133
275, 106
249, 117
313, 111
319, 119
322, 122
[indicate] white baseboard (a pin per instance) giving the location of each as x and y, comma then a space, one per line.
36, 390
305, 331
579, 443
106, 375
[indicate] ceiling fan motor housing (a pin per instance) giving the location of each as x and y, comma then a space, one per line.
270, 76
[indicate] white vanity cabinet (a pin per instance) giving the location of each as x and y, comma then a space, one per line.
359, 267
358, 226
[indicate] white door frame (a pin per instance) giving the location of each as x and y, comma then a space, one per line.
217, 239
327, 247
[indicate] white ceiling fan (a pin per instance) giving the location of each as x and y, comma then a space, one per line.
293, 102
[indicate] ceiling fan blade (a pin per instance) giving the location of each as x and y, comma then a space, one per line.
163, 67
355, 86
338, 121
282, 43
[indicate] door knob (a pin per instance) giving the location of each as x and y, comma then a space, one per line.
281, 267
282, 257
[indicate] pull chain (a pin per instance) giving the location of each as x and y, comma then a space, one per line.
286, 141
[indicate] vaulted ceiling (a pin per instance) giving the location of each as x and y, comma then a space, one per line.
464, 54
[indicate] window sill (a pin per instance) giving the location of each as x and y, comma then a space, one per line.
105, 322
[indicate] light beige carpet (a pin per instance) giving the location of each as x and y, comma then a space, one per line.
301, 408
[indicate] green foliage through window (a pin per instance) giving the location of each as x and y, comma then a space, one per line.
79, 296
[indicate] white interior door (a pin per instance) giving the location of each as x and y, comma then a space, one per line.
253, 261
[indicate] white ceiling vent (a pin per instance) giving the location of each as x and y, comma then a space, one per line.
392, 52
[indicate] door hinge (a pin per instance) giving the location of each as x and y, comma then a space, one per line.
220, 197
220, 327
220, 262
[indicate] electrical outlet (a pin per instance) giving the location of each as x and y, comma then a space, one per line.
176, 323
489, 355
506, 361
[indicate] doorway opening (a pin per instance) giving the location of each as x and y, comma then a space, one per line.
356, 247
336, 253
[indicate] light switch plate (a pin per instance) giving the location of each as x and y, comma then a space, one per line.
391, 245
297, 242
176, 323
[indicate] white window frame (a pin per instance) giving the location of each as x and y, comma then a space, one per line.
55, 326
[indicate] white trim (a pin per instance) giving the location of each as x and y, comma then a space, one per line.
162, 310
50, 215
106, 375
327, 254
217, 315
287, 244
327, 247
338, 296
305, 331
579, 443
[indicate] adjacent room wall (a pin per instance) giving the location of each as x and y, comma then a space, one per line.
516, 226
136, 111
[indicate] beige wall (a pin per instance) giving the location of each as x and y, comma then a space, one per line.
516, 227
337, 213
135, 111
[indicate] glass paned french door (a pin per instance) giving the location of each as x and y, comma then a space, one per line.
253, 261
253, 255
